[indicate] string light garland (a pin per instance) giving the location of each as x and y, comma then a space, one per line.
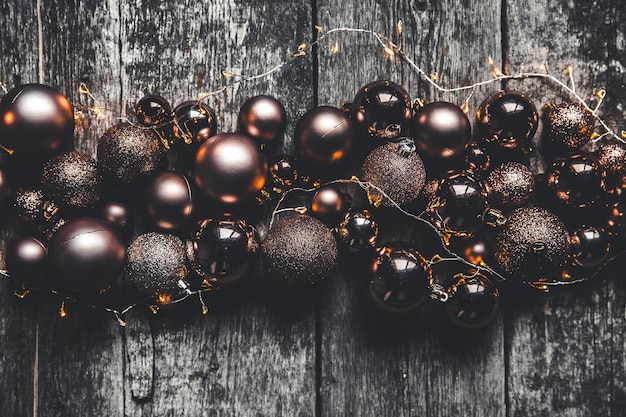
532, 244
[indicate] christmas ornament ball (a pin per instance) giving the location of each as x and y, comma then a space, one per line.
577, 180
590, 246
612, 157
507, 119
169, 201
72, 179
328, 204
441, 130
358, 230
229, 168
263, 118
510, 185
473, 302
29, 205
298, 251
532, 244
129, 153
86, 255
324, 135
35, 119
569, 124
27, 260
153, 110
194, 122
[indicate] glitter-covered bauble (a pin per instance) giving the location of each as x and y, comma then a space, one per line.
328, 205
35, 119
263, 118
473, 301
298, 251
72, 180
382, 109
577, 180
532, 244
169, 201
153, 110
324, 135
358, 230
129, 153
399, 278
507, 119
477, 159
568, 124
458, 205
590, 246
222, 249
27, 261
29, 205
612, 157
229, 168
509, 186
86, 255
441, 130
194, 122
396, 172
157, 266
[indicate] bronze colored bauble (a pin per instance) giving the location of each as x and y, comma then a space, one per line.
569, 125
441, 130
382, 109
509, 186
324, 135
299, 251
507, 119
263, 118
328, 205
27, 260
194, 122
229, 168
169, 201
116, 213
589, 246
577, 180
474, 300
86, 255
35, 119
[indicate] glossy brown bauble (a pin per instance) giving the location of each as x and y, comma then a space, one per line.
324, 135
35, 119
86, 255
507, 119
328, 205
577, 180
194, 122
229, 168
263, 118
441, 130
153, 110
169, 201
473, 302
27, 260
589, 246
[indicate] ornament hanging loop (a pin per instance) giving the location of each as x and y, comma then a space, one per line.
405, 146
439, 293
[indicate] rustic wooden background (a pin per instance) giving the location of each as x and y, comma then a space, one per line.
557, 355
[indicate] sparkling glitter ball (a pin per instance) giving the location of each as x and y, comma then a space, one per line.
510, 185
612, 157
29, 204
299, 250
532, 244
569, 124
157, 264
72, 179
399, 174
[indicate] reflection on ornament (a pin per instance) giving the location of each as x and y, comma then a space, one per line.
474, 300
589, 246
27, 261
576, 180
153, 110
328, 205
358, 230
169, 201
324, 135
194, 122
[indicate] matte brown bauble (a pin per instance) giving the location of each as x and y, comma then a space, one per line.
324, 135
263, 118
299, 250
35, 119
229, 168
86, 255
129, 153
116, 213
72, 180
441, 130
27, 260
329, 205
169, 201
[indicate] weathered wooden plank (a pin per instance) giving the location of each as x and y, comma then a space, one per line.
241, 359
565, 350
380, 366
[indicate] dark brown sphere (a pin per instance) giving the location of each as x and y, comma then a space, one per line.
507, 119
27, 260
532, 244
398, 175
474, 301
577, 180
86, 255
509, 186
6, 190
298, 251
283, 171
229, 168
169, 201
358, 230
263, 118
116, 213
612, 157
328, 205
72, 180
324, 135
569, 124
590, 246
129, 153
477, 159
153, 110
35, 119
441, 130
382, 109
194, 122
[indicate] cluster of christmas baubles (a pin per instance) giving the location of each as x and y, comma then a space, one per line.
477, 190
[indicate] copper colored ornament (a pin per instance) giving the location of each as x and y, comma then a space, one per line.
474, 300
169, 201
577, 180
532, 245
27, 260
612, 157
223, 249
382, 109
263, 118
153, 110
35, 119
283, 171
590, 246
129, 153
194, 122
116, 213
476, 250
507, 119
358, 230
324, 135
230, 168
328, 205
86, 255
569, 124
510, 185
441, 130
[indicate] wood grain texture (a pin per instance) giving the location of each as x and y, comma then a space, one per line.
406, 366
